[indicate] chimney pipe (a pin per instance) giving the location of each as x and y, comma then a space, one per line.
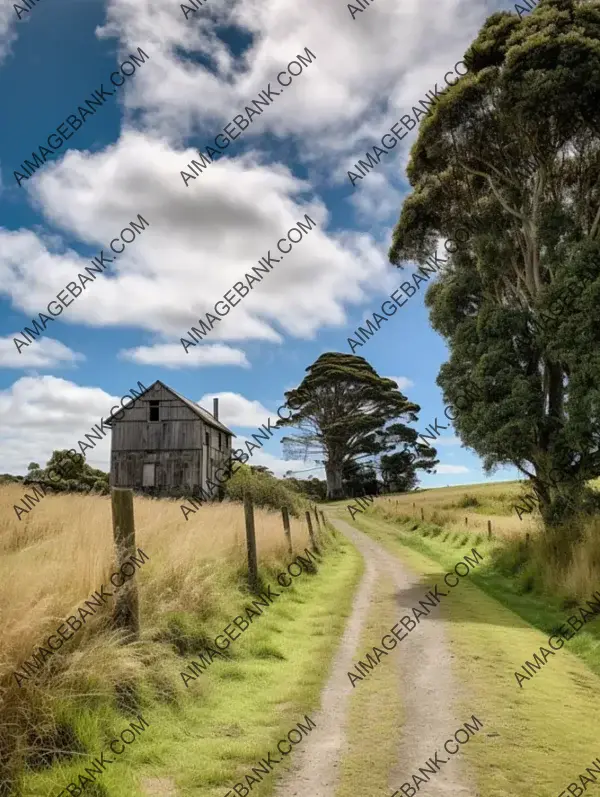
216, 409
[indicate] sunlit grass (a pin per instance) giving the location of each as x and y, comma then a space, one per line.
536, 738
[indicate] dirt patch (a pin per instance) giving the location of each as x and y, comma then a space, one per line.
159, 787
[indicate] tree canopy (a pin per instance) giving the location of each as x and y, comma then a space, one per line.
344, 409
64, 473
511, 154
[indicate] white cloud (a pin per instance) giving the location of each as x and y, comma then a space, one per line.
173, 355
236, 410
199, 243
44, 353
403, 382
39, 414
374, 197
451, 469
8, 19
387, 57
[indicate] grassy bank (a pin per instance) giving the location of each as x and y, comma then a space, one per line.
200, 737
502, 576
540, 736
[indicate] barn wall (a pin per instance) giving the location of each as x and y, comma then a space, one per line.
174, 469
178, 427
177, 444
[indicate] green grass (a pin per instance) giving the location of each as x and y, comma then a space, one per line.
545, 612
207, 736
375, 716
536, 739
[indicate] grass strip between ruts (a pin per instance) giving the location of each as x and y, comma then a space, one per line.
374, 724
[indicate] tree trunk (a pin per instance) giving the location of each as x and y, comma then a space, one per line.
558, 502
333, 473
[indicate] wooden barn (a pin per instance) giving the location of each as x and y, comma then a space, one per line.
165, 444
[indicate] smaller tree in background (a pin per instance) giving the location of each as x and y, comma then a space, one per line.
360, 478
341, 408
399, 470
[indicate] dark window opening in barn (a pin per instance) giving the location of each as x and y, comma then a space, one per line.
154, 415
207, 438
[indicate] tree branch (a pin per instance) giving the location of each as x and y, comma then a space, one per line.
497, 194
595, 224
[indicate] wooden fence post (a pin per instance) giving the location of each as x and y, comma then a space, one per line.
317, 518
286, 526
422, 514
126, 614
251, 542
466, 521
323, 518
311, 533
489, 529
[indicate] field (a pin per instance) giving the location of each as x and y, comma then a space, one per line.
545, 564
60, 553
63, 550
205, 732
478, 503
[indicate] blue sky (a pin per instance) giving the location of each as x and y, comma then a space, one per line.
293, 159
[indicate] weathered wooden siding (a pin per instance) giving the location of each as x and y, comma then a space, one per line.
176, 444
158, 435
178, 427
174, 469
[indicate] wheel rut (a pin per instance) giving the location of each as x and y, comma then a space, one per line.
427, 688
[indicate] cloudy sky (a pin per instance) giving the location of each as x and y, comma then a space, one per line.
203, 67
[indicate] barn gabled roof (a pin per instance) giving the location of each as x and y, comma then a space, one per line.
206, 416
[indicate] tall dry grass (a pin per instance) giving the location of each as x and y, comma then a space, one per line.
57, 555
449, 506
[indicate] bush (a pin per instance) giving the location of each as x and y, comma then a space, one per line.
467, 500
266, 491
101, 487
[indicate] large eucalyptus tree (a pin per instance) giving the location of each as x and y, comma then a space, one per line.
512, 152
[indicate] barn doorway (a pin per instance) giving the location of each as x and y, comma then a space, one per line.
149, 474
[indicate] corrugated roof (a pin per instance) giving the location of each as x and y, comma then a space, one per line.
205, 415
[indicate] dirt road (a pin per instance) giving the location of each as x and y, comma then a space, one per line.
425, 682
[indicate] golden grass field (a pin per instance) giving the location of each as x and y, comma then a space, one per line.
442, 506
194, 584
56, 556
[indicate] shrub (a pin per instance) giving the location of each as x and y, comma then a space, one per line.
467, 500
266, 491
